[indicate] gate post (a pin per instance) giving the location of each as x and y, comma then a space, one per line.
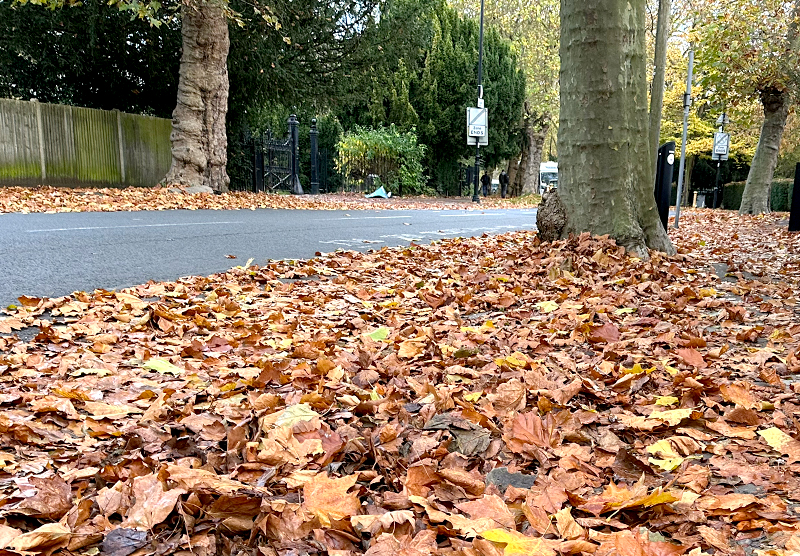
294, 138
258, 162
314, 158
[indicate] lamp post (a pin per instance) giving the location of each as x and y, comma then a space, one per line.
475, 197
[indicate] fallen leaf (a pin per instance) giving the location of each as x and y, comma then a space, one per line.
517, 544
328, 498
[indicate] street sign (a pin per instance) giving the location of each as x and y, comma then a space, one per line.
722, 143
477, 126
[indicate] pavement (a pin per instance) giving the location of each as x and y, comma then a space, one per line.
51, 255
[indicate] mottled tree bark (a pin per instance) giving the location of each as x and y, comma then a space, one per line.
513, 168
603, 148
755, 198
199, 141
518, 182
536, 127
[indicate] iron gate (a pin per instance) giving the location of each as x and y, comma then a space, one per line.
273, 162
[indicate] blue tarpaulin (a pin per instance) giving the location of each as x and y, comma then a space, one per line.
380, 192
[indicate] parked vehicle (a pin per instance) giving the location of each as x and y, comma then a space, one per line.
548, 176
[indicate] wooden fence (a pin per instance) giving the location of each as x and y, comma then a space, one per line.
53, 144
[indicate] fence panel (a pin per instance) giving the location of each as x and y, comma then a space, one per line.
146, 152
19, 142
65, 145
60, 151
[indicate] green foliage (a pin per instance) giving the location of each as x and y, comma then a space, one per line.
447, 86
394, 155
93, 56
432, 88
780, 195
746, 46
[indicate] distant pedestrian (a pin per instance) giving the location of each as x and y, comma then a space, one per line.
486, 181
503, 179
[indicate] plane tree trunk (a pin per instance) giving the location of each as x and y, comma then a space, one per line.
755, 198
603, 147
536, 127
199, 140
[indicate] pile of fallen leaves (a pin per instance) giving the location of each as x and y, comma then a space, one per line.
53, 199
479, 397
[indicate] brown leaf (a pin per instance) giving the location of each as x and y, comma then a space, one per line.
714, 538
738, 393
692, 357
52, 500
490, 507
328, 498
45, 540
607, 333
529, 429
567, 527
153, 503
8, 534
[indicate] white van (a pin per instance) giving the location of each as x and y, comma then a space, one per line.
548, 176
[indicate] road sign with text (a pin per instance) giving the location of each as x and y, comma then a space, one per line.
722, 142
477, 126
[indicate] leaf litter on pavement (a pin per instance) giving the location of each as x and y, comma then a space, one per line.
66, 199
479, 397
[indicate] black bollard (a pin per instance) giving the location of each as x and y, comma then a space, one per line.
794, 215
663, 188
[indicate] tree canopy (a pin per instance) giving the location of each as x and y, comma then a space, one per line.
95, 56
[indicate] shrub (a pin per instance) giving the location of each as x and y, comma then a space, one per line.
780, 197
369, 158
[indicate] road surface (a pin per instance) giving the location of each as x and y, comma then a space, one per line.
50, 255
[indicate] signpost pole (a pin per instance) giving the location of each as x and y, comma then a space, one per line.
719, 157
475, 197
687, 103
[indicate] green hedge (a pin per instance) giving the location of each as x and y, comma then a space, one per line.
780, 198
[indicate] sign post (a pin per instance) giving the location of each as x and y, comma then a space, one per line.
722, 142
475, 197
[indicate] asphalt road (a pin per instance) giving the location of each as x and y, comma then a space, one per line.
55, 254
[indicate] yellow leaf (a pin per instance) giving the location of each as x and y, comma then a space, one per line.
653, 499
669, 464
671, 371
473, 396
671, 416
547, 306
780, 441
637, 369
516, 359
624, 310
518, 544
162, 366
666, 400
662, 448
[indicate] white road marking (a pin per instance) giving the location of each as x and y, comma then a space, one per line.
471, 215
132, 226
369, 218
